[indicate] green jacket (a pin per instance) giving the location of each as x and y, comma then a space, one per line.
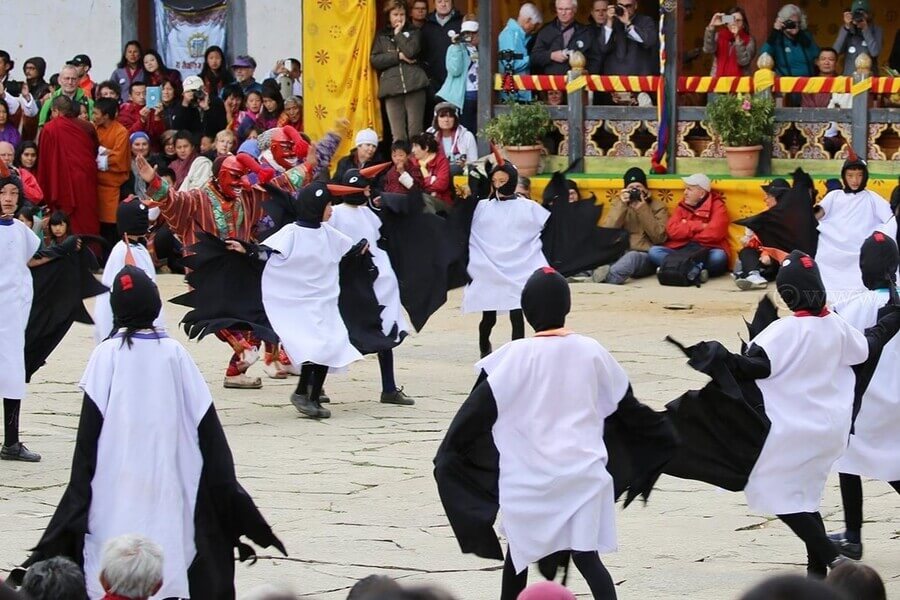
398, 77
79, 97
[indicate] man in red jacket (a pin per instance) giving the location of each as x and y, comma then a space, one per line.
699, 221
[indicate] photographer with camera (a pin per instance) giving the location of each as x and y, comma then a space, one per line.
628, 43
513, 46
728, 38
791, 45
558, 39
644, 218
858, 35
461, 85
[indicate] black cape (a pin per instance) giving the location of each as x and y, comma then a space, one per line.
639, 442
573, 241
790, 224
359, 306
60, 286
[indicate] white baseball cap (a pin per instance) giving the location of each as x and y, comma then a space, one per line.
698, 179
192, 84
469, 27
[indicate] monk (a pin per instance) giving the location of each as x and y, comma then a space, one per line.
67, 171
114, 164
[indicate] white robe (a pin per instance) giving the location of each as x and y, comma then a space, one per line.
357, 223
103, 317
809, 400
849, 219
17, 245
553, 395
300, 290
152, 398
874, 448
504, 250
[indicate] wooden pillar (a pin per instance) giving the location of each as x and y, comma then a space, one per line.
674, 24
760, 17
487, 64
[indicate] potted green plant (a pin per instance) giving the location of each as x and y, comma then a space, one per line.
743, 122
520, 131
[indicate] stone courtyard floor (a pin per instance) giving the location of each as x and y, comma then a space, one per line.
354, 495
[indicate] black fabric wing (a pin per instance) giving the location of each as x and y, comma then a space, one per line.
723, 426
789, 225
574, 242
467, 471
359, 306
877, 337
766, 314
226, 291
60, 286
460, 222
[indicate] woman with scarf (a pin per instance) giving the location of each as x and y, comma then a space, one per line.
129, 69
732, 46
191, 170
457, 143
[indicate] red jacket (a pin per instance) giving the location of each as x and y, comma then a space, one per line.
392, 183
705, 224
436, 177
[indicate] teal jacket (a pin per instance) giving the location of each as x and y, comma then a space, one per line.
454, 88
514, 38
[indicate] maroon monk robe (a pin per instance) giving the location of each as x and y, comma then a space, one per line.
67, 171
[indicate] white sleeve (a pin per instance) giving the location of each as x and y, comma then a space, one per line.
30, 107
12, 102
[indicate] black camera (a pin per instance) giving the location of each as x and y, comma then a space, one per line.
620, 10
510, 55
200, 94
790, 24
859, 15
635, 195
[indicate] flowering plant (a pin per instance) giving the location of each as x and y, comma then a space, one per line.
742, 120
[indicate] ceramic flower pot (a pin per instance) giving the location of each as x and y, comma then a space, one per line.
742, 160
526, 158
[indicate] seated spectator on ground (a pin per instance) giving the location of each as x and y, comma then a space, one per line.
858, 35
363, 155
131, 568
129, 69
857, 581
514, 40
54, 579
792, 47
454, 140
755, 268
792, 587
700, 221
558, 39
403, 174
373, 586
523, 187
461, 85
644, 218
435, 171
732, 46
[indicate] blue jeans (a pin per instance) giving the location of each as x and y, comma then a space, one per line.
716, 263
634, 264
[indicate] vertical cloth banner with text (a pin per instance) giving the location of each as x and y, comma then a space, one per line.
338, 79
184, 36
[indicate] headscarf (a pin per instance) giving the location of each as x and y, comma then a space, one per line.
546, 300
509, 188
800, 284
135, 301
878, 261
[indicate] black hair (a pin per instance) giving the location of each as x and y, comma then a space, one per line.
233, 90
164, 171
6, 108
163, 69
401, 145
373, 586
738, 10
27, 212
135, 84
20, 150
57, 578
54, 81
111, 85
107, 106
792, 587
65, 105
176, 90
58, 217
220, 77
6, 58
829, 49
184, 134
425, 141
857, 581
277, 97
124, 62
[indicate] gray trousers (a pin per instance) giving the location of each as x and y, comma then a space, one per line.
634, 264
405, 113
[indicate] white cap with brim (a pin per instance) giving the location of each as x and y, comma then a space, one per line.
192, 83
698, 179
469, 27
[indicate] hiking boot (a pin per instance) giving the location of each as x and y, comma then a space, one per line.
309, 408
396, 397
18, 451
600, 273
242, 381
846, 548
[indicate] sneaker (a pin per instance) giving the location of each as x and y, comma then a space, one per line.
600, 273
309, 408
18, 451
243, 382
846, 548
753, 281
396, 397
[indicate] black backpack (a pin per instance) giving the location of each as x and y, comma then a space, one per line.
682, 267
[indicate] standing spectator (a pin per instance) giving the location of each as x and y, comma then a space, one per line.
461, 85
732, 45
401, 80
644, 218
288, 74
6, 66
109, 89
243, 68
629, 42
790, 45
292, 114
514, 39
141, 118
131, 568
215, 74
192, 171
68, 87
8, 131
418, 13
129, 69
57, 578
30, 188
156, 71
455, 141
361, 156
435, 171
68, 168
113, 165
858, 35
82, 62
35, 69
700, 221
826, 63
439, 23
556, 41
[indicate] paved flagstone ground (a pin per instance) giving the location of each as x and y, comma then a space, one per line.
354, 494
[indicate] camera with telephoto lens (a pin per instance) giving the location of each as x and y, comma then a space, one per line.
620, 10
790, 24
635, 195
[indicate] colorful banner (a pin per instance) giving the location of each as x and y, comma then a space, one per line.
338, 80
185, 35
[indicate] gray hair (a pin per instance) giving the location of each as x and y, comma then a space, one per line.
574, 3
530, 11
264, 140
68, 68
789, 10
132, 566
54, 579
